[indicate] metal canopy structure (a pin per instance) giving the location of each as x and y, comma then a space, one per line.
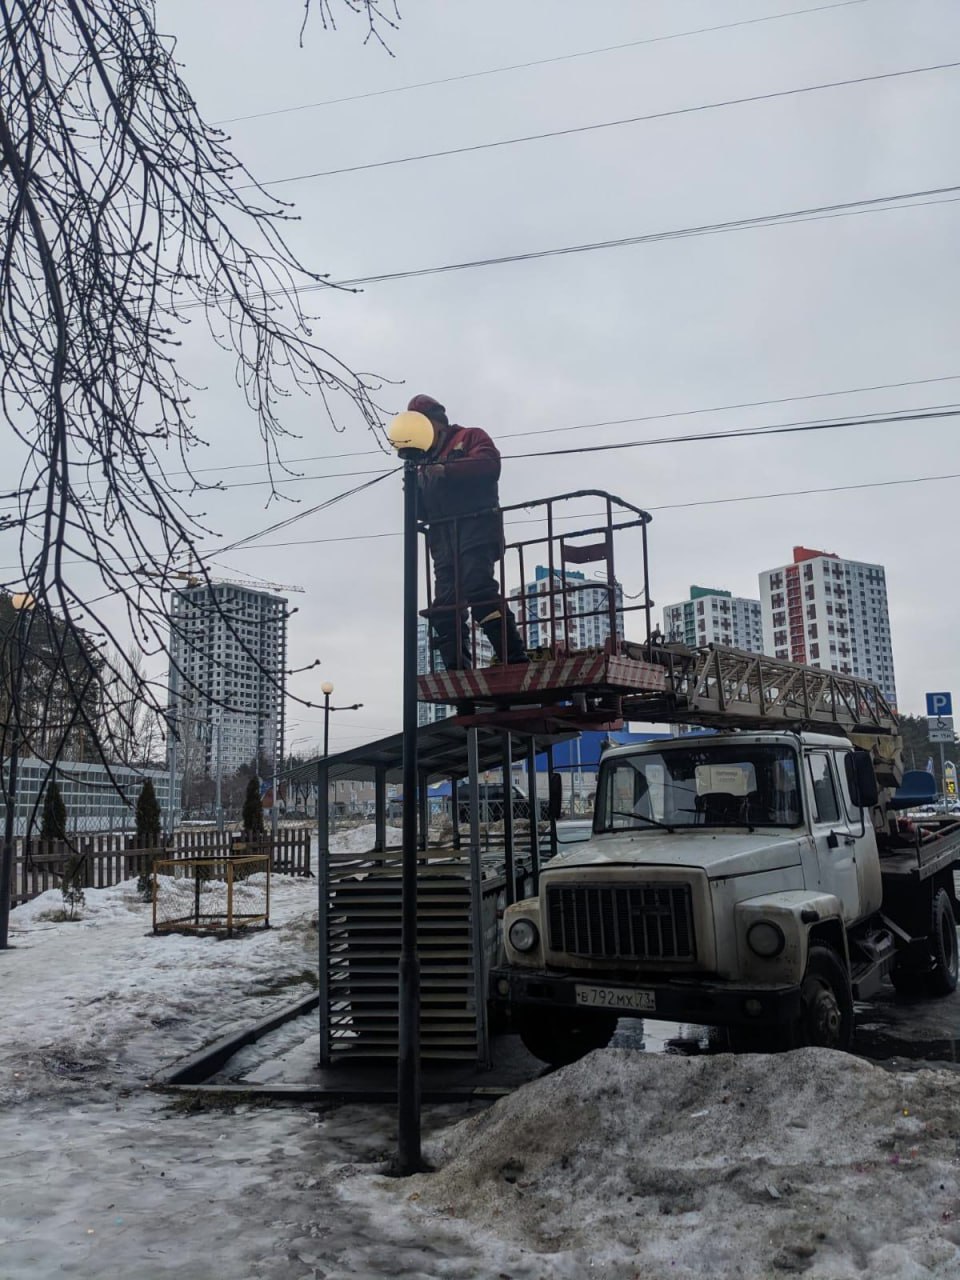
441, 754
461, 887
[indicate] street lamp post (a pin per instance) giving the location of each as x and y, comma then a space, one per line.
327, 689
23, 604
412, 435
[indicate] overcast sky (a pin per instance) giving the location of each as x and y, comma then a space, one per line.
652, 329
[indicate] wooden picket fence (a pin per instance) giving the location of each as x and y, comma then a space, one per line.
105, 860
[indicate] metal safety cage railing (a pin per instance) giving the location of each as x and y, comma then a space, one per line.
553, 613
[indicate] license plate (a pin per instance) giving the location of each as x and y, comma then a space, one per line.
616, 998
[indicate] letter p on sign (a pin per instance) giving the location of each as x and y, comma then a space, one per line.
939, 704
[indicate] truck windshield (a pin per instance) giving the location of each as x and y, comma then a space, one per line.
702, 786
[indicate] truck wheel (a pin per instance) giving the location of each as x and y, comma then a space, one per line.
559, 1038
826, 1001
942, 978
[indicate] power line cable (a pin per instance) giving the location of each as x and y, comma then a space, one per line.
881, 417
538, 62
814, 213
580, 426
786, 428
603, 124
668, 506
301, 515
923, 413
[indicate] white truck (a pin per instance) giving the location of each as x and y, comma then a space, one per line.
753, 880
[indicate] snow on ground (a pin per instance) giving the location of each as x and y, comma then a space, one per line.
103, 1000
624, 1165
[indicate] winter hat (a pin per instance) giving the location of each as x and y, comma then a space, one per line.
429, 407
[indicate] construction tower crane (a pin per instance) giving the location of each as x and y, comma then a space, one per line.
192, 579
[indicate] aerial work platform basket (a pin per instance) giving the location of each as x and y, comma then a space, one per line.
583, 670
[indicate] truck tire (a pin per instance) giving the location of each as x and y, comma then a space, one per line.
559, 1038
936, 972
826, 999
942, 978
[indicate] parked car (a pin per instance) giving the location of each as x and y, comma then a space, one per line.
492, 803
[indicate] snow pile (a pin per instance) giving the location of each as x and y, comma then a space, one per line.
362, 839
633, 1165
100, 906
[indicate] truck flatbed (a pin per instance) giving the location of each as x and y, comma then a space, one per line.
938, 849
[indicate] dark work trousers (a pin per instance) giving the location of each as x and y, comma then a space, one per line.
469, 581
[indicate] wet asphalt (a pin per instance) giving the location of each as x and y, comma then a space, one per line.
894, 1031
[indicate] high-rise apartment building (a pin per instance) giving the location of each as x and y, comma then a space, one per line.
228, 665
585, 604
830, 613
712, 616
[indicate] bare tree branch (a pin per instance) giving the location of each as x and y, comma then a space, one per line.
120, 210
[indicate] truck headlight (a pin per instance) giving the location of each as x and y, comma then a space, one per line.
523, 935
765, 939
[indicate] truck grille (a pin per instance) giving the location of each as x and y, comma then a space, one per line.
629, 922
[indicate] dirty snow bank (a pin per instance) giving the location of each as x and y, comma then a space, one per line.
626, 1165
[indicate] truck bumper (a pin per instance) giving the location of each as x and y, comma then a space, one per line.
719, 1004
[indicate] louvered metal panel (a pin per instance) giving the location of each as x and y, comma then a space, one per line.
363, 897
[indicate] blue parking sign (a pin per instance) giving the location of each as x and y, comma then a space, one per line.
939, 704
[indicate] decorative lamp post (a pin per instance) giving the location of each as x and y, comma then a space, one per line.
24, 604
412, 435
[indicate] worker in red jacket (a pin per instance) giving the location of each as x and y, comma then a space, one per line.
460, 503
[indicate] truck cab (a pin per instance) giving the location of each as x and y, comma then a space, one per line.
733, 879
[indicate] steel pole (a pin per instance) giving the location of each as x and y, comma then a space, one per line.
326, 725
943, 773
408, 1058
218, 801
6, 863
10, 810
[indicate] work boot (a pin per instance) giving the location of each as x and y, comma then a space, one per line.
446, 646
494, 626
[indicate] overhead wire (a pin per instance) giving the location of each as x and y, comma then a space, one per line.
538, 62
570, 131
880, 417
813, 213
579, 426
301, 515
667, 506
786, 428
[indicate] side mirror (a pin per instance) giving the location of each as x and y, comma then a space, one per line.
861, 779
556, 796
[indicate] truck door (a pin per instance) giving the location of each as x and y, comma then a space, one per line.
832, 835
870, 885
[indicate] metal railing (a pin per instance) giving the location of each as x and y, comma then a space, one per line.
559, 629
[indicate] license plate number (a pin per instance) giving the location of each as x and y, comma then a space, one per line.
616, 998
